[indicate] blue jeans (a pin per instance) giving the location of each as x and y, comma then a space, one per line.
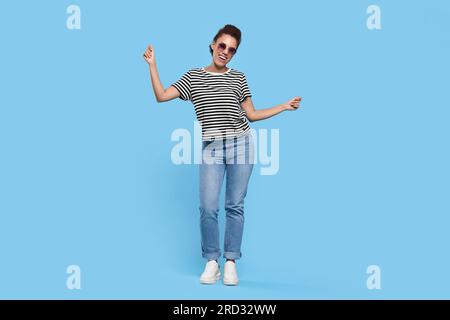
235, 157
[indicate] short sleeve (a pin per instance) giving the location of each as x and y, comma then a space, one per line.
244, 89
183, 85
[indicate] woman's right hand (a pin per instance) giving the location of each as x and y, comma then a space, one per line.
149, 55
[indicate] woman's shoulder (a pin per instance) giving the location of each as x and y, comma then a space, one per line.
191, 69
239, 73
237, 70
194, 70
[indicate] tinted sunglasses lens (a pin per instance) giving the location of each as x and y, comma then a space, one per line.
222, 46
232, 50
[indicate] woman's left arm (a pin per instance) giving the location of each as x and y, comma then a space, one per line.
255, 115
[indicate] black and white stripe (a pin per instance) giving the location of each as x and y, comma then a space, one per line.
217, 101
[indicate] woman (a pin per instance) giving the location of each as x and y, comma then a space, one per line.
223, 106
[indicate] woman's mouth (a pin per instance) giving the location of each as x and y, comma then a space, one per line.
222, 58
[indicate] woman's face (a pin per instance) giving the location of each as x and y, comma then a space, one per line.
223, 49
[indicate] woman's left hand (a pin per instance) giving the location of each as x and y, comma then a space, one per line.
293, 104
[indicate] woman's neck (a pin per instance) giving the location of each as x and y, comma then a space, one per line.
213, 68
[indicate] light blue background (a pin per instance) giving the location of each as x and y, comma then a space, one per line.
85, 170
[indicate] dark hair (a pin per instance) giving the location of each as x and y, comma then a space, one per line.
230, 30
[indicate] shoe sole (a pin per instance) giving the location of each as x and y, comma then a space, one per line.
230, 283
210, 281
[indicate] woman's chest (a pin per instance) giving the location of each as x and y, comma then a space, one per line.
215, 86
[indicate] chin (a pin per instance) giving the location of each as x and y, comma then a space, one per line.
220, 62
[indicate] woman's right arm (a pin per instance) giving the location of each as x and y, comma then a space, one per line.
160, 94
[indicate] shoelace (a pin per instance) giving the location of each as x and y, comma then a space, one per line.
231, 269
211, 266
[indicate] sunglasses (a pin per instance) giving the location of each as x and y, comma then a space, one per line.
222, 46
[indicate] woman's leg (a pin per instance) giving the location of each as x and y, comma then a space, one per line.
239, 168
211, 178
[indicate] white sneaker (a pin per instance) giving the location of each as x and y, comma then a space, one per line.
230, 277
211, 273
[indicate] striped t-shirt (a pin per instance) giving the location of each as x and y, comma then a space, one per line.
217, 101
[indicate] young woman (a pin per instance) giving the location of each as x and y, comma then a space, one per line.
223, 106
